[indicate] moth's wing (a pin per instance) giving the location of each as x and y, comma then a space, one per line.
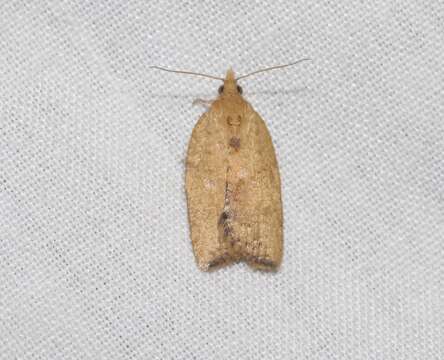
205, 189
265, 241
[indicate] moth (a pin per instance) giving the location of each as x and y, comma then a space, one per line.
232, 183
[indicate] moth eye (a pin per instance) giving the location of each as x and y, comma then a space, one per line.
239, 89
221, 90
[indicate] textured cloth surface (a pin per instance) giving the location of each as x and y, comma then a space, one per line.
95, 256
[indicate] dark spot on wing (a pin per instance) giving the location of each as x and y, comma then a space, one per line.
223, 217
235, 143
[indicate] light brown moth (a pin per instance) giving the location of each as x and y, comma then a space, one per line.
232, 184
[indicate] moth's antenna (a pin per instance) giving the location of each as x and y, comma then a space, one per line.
272, 68
186, 72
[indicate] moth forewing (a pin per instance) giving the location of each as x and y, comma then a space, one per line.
233, 186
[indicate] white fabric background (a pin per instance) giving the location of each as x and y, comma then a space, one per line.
95, 256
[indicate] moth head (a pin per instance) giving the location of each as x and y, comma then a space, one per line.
230, 86
221, 89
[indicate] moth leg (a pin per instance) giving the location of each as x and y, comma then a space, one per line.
202, 102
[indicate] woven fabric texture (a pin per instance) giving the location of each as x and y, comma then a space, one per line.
95, 256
